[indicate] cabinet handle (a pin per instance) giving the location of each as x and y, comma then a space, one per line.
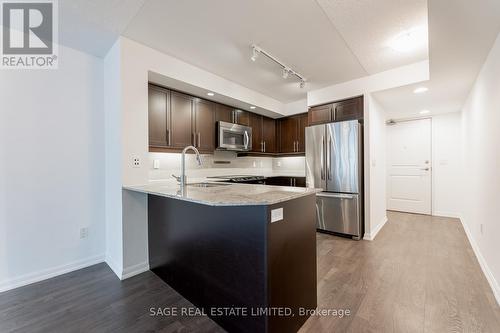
291, 181
199, 139
193, 139
264, 146
168, 137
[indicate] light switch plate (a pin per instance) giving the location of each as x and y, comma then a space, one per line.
276, 215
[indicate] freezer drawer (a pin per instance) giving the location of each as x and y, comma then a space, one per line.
338, 212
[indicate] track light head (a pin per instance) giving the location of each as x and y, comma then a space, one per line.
255, 54
286, 73
302, 84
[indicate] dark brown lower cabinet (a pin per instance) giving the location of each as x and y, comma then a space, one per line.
286, 181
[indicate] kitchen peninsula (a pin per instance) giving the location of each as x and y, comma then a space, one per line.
244, 246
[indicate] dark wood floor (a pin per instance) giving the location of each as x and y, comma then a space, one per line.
419, 275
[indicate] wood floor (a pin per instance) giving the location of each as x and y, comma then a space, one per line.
419, 275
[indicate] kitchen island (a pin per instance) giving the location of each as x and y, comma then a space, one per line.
244, 254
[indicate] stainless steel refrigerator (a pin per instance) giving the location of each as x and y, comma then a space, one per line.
334, 162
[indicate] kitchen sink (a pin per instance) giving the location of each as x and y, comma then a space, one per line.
206, 185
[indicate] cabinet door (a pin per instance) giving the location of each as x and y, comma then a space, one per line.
158, 113
301, 135
320, 114
223, 113
242, 117
181, 108
288, 134
256, 125
269, 134
204, 120
350, 109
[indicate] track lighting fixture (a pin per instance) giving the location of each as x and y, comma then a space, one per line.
255, 54
286, 71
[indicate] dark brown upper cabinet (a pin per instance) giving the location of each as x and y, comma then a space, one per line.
256, 125
269, 134
349, 109
181, 110
224, 113
203, 125
158, 116
320, 114
292, 133
241, 117
303, 120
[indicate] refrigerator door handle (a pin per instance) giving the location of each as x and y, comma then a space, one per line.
322, 157
328, 156
336, 195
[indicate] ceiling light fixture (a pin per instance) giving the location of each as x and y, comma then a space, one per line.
409, 40
255, 54
286, 70
424, 112
252, 107
210, 94
420, 90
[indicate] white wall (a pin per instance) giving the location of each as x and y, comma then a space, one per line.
375, 167
52, 169
480, 190
446, 164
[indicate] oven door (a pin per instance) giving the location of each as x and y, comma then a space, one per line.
234, 137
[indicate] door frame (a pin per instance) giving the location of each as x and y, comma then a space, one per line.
402, 120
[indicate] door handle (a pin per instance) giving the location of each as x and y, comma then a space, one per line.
322, 158
246, 140
329, 175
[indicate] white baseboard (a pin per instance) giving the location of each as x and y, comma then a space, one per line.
446, 214
115, 267
482, 262
49, 273
371, 235
135, 270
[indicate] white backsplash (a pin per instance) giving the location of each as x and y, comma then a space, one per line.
170, 163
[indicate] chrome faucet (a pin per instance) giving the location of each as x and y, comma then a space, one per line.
182, 178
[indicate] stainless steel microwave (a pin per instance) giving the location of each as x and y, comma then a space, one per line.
233, 137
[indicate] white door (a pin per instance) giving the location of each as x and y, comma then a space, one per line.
409, 166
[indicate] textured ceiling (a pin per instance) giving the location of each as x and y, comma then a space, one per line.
368, 25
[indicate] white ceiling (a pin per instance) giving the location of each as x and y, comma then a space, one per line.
93, 26
461, 34
368, 25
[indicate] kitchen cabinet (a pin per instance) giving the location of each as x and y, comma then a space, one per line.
269, 134
158, 116
203, 125
223, 113
286, 181
263, 134
303, 120
292, 133
256, 125
350, 109
181, 109
320, 114
241, 117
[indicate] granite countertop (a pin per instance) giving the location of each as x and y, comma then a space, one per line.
225, 194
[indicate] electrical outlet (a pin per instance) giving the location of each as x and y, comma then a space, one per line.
84, 232
136, 162
156, 164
